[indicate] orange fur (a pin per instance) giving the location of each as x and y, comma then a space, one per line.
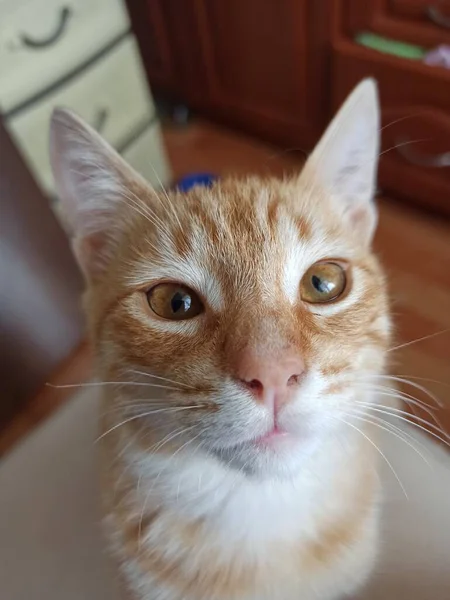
182, 453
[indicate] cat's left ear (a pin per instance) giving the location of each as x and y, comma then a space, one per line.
92, 183
345, 160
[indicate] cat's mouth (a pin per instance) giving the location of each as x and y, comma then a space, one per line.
274, 436
274, 439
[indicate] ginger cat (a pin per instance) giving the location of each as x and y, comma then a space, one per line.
237, 330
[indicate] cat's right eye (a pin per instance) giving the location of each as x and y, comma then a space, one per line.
174, 302
324, 281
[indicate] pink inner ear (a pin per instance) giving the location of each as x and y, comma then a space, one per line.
362, 220
359, 217
90, 253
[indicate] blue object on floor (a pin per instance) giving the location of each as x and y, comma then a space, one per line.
189, 181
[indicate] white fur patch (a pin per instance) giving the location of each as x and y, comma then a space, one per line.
187, 271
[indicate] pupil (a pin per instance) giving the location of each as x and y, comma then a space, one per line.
181, 302
321, 285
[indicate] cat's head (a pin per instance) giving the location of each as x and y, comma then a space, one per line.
256, 305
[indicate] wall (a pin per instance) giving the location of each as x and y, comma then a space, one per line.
40, 285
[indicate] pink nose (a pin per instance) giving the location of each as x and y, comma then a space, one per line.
271, 379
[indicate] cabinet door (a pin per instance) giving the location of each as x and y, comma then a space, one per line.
265, 65
168, 33
153, 34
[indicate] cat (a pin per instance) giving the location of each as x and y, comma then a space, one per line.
236, 329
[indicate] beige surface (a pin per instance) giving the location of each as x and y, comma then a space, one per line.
51, 548
26, 71
115, 84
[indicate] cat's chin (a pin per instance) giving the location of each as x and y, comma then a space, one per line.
277, 454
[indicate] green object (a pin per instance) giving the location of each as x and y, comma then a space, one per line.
388, 46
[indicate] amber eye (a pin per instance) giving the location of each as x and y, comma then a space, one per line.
174, 302
323, 282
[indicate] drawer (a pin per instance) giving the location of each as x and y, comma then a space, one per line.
111, 95
42, 41
422, 22
415, 154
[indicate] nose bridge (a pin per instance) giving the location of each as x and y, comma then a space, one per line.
266, 333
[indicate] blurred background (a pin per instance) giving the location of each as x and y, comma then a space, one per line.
216, 86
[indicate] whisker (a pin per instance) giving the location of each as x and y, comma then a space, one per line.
399, 410
169, 202
410, 400
151, 215
179, 450
102, 383
165, 440
168, 438
406, 143
128, 464
125, 447
162, 378
143, 210
404, 118
395, 431
397, 413
185, 444
414, 385
403, 432
396, 393
425, 337
380, 452
407, 377
140, 416
140, 403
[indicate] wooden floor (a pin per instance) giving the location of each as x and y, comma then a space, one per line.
414, 248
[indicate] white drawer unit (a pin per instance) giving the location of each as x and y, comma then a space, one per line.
43, 41
112, 95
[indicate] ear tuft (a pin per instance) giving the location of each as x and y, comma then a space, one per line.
345, 159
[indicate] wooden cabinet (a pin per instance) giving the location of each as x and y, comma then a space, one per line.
280, 68
422, 22
264, 65
149, 23
260, 65
415, 153
415, 97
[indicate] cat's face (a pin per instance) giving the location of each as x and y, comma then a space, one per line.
256, 306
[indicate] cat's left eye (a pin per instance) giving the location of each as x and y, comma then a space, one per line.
323, 282
173, 301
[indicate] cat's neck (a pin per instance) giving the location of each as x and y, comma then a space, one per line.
201, 488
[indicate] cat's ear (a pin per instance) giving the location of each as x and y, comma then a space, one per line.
91, 180
345, 159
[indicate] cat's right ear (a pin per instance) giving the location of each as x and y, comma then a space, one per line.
91, 180
344, 161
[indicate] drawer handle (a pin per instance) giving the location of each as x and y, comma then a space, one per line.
421, 160
435, 15
34, 44
100, 119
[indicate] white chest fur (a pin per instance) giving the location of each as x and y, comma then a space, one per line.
231, 536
